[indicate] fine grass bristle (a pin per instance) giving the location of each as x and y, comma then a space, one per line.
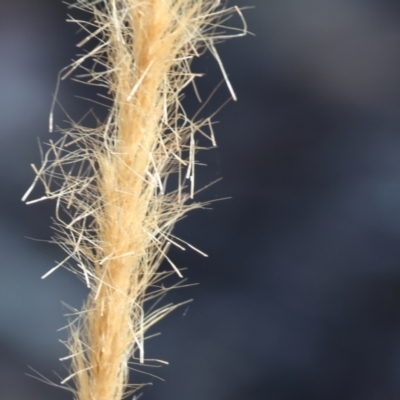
115, 212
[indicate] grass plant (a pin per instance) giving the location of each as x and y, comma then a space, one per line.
121, 187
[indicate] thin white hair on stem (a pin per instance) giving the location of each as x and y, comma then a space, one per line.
114, 209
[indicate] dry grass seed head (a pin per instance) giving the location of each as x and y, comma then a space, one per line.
114, 213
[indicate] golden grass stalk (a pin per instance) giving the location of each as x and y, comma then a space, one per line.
115, 210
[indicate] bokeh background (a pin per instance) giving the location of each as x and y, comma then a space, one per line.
300, 297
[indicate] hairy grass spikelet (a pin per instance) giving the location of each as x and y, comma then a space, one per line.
115, 210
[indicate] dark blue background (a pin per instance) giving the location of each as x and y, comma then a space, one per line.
300, 297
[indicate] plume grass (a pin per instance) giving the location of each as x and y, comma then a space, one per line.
121, 187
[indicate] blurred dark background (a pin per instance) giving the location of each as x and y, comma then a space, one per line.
300, 297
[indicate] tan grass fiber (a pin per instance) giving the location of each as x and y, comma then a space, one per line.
114, 214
